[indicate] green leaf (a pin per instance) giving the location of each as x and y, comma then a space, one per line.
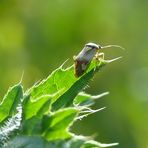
56, 125
67, 98
46, 108
33, 107
83, 99
63, 80
32, 126
11, 101
55, 82
10, 126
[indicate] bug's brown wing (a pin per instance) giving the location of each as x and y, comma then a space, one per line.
80, 67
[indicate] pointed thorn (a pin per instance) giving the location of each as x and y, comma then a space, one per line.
100, 95
115, 59
64, 63
21, 77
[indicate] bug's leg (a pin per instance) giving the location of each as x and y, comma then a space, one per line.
98, 57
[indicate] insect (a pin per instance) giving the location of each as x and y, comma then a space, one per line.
83, 59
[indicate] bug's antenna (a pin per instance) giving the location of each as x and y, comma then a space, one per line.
108, 46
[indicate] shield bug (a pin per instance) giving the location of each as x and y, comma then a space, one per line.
83, 59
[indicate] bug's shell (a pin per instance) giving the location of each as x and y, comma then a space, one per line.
83, 59
80, 67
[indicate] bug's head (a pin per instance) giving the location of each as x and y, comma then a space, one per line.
93, 46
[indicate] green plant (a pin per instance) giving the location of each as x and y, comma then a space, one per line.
42, 116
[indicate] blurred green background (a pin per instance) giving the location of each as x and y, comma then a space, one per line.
37, 36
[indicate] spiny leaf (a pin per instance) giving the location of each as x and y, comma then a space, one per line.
47, 110
67, 98
40, 105
10, 101
32, 107
84, 99
9, 127
56, 126
64, 80
55, 82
